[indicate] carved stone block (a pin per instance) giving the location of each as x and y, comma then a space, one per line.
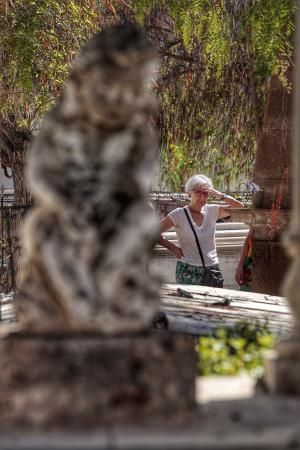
87, 381
273, 256
282, 372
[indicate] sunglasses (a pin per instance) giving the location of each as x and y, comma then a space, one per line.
200, 191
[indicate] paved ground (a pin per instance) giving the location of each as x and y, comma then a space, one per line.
239, 425
200, 310
230, 417
207, 309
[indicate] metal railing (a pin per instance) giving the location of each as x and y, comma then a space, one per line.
164, 202
181, 197
11, 217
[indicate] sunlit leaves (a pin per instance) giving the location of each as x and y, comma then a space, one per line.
235, 351
270, 26
213, 86
38, 41
216, 59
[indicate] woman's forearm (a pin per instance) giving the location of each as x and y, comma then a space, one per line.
166, 243
231, 201
170, 246
243, 254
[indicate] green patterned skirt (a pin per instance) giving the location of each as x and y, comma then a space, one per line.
187, 274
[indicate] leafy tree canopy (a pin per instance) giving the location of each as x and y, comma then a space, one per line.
218, 58
38, 40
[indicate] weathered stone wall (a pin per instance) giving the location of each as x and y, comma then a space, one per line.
82, 381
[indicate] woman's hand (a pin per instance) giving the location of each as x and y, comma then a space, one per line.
211, 191
239, 275
177, 252
230, 201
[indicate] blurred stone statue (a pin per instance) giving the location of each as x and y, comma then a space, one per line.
90, 170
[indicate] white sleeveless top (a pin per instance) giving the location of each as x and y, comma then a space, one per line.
205, 232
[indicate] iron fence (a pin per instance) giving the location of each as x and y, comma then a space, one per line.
11, 217
164, 202
180, 198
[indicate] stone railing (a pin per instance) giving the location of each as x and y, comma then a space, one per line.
164, 202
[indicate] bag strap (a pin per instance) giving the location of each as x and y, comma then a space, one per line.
196, 237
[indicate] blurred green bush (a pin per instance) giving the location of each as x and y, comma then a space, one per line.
235, 351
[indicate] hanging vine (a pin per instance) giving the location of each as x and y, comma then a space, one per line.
217, 60
38, 41
217, 57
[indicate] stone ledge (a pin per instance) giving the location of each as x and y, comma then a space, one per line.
89, 382
260, 423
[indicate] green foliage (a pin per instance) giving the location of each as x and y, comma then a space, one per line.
197, 20
235, 351
213, 82
180, 166
220, 26
38, 40
270, 29
216, 59
201, 22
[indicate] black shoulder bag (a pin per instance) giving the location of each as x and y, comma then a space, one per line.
212, 277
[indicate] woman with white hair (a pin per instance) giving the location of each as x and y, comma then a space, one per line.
195, 226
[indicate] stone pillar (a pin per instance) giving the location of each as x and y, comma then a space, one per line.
283, 365
270, 258
272, 169
268, 253
83, 353
272, 172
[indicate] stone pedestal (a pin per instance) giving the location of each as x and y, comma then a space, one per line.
87, 381
272, 173
269, 255
282, 368
271, 260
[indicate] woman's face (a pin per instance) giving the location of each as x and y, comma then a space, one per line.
199, 195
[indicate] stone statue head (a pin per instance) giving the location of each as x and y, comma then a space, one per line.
120, 53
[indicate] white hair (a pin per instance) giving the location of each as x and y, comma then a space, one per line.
197, 181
